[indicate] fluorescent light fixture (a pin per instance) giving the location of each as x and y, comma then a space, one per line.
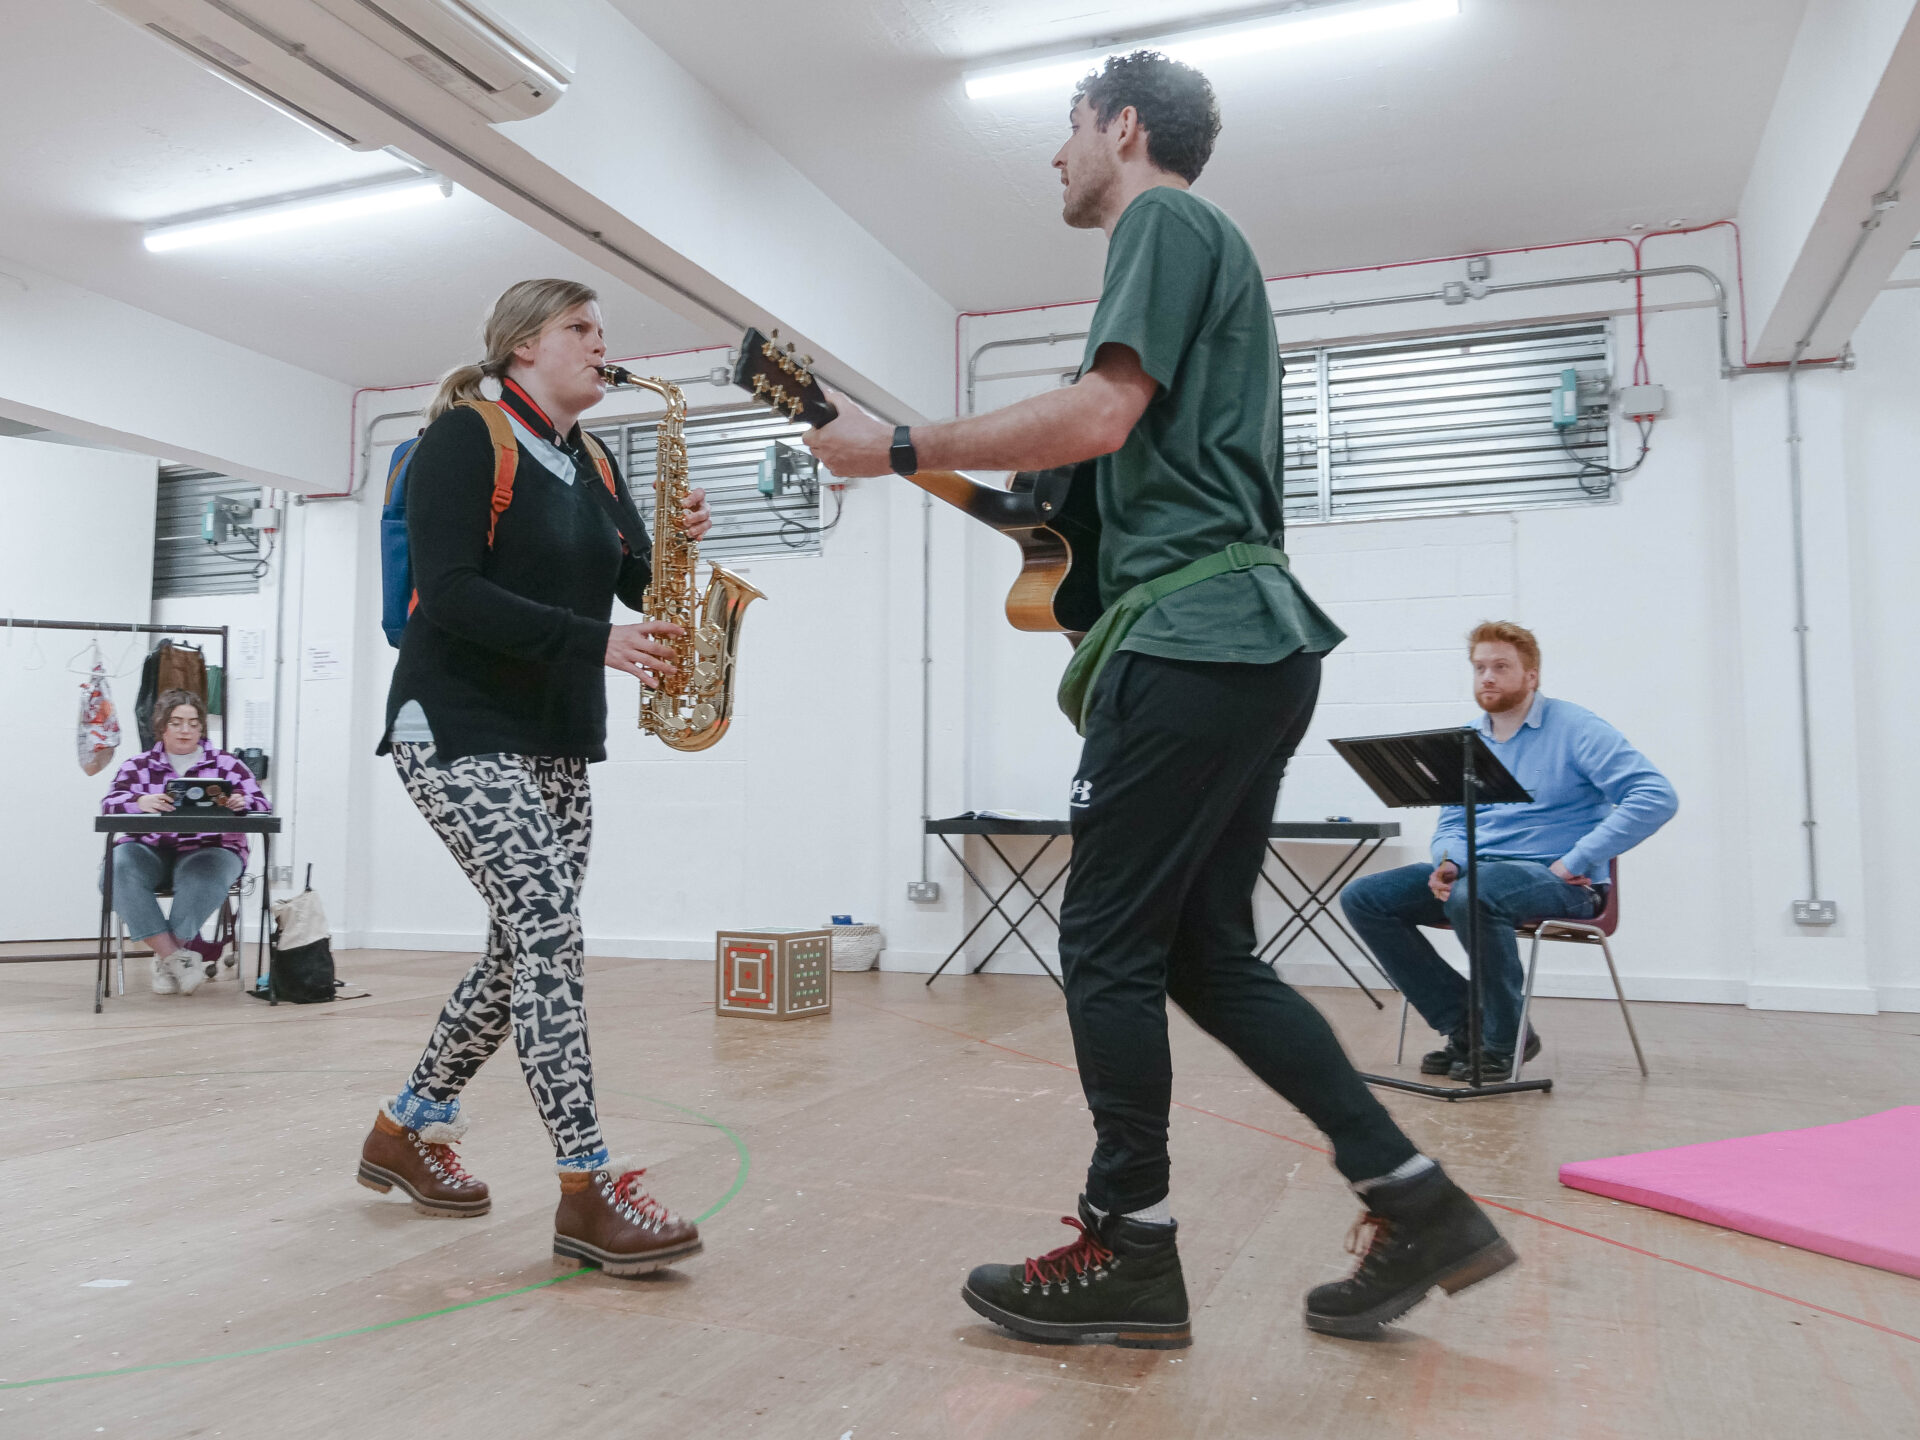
1214, 42
292, 212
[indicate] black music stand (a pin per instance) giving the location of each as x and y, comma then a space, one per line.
1444, 767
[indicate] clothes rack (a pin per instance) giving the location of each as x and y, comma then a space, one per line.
125, 627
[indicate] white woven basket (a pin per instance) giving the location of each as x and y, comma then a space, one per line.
857, 947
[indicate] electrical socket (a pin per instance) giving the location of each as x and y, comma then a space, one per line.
1816, 912
923, 892
283, 874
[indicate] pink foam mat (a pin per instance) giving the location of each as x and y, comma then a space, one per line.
1850, 1190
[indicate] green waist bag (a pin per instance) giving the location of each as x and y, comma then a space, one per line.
1104, 640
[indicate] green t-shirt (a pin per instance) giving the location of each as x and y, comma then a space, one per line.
1202, 468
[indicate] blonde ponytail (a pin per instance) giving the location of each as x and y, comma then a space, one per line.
460, 383
517, 317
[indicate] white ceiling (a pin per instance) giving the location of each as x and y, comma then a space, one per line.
1517, 122
105, 129
1521, 121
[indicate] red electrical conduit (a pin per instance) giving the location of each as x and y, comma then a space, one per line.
1633, 243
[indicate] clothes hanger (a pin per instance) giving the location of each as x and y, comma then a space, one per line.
39, 651
123, 665
96, 659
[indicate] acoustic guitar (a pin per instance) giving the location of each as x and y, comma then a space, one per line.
1052, 515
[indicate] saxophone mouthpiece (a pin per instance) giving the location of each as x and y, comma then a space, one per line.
616, 375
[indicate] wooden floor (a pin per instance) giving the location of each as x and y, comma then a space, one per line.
198, 1154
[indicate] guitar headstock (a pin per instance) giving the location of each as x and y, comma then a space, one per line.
779, 378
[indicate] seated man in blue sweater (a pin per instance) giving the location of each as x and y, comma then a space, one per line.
1594, 797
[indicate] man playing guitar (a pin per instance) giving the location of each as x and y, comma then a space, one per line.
1193, 693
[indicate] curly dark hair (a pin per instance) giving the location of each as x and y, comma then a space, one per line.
1173, 100
170, 701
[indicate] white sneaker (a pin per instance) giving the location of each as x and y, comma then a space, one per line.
166, 980
190, 967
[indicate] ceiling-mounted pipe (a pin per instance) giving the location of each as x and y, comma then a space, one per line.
1728, 369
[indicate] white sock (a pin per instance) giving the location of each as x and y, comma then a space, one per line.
1418, 1165
1158, 1214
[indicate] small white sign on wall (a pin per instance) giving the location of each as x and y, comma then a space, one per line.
249, 658
256, 724
323, 662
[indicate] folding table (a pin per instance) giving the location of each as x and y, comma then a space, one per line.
1362, 838
177, 822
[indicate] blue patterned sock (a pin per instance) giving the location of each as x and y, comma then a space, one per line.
593, 1160
410, 1110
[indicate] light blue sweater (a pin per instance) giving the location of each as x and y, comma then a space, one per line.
1594, 795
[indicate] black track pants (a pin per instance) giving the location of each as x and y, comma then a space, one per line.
1177, 785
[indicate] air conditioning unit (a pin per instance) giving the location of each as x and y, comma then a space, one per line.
328, 63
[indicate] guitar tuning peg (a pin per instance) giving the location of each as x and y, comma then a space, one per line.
806, 362
793, 407
789, 347
759, 384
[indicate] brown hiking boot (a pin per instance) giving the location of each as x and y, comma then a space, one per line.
607, 1219
422, 1163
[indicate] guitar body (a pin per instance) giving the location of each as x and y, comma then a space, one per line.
1052, 515
1059, 583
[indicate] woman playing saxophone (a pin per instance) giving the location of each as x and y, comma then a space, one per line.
497, 706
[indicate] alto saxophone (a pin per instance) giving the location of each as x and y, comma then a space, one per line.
692, 706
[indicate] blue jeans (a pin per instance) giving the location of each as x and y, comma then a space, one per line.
1388, 909
199, 880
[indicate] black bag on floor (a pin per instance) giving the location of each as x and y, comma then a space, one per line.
302, 950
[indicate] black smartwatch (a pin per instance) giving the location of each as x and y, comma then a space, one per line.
901, 456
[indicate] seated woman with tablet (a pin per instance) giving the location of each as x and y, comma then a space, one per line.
182, 772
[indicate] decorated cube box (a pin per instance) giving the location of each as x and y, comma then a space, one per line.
774, 974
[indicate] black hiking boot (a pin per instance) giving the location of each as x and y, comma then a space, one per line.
1494, 1064
1427, 1231
1119, 1282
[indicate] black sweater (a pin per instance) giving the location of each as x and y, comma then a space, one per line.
506, 649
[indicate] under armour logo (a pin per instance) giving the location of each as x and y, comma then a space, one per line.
1082, 792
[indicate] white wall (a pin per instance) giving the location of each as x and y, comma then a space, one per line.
77, 544
1883, 489
1668, 611
94, 367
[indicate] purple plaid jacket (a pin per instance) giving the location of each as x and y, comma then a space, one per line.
148, 773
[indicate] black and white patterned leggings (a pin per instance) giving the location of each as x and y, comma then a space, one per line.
520, 827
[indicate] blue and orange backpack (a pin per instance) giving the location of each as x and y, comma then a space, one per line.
397, 595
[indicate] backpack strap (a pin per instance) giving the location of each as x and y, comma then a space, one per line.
601, 463
506, 457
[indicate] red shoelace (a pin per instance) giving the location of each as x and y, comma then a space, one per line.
1075, 1257
448, 1164
629, 1192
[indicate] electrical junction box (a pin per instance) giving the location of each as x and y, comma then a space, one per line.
221, 517
1564, 402
1643, 402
